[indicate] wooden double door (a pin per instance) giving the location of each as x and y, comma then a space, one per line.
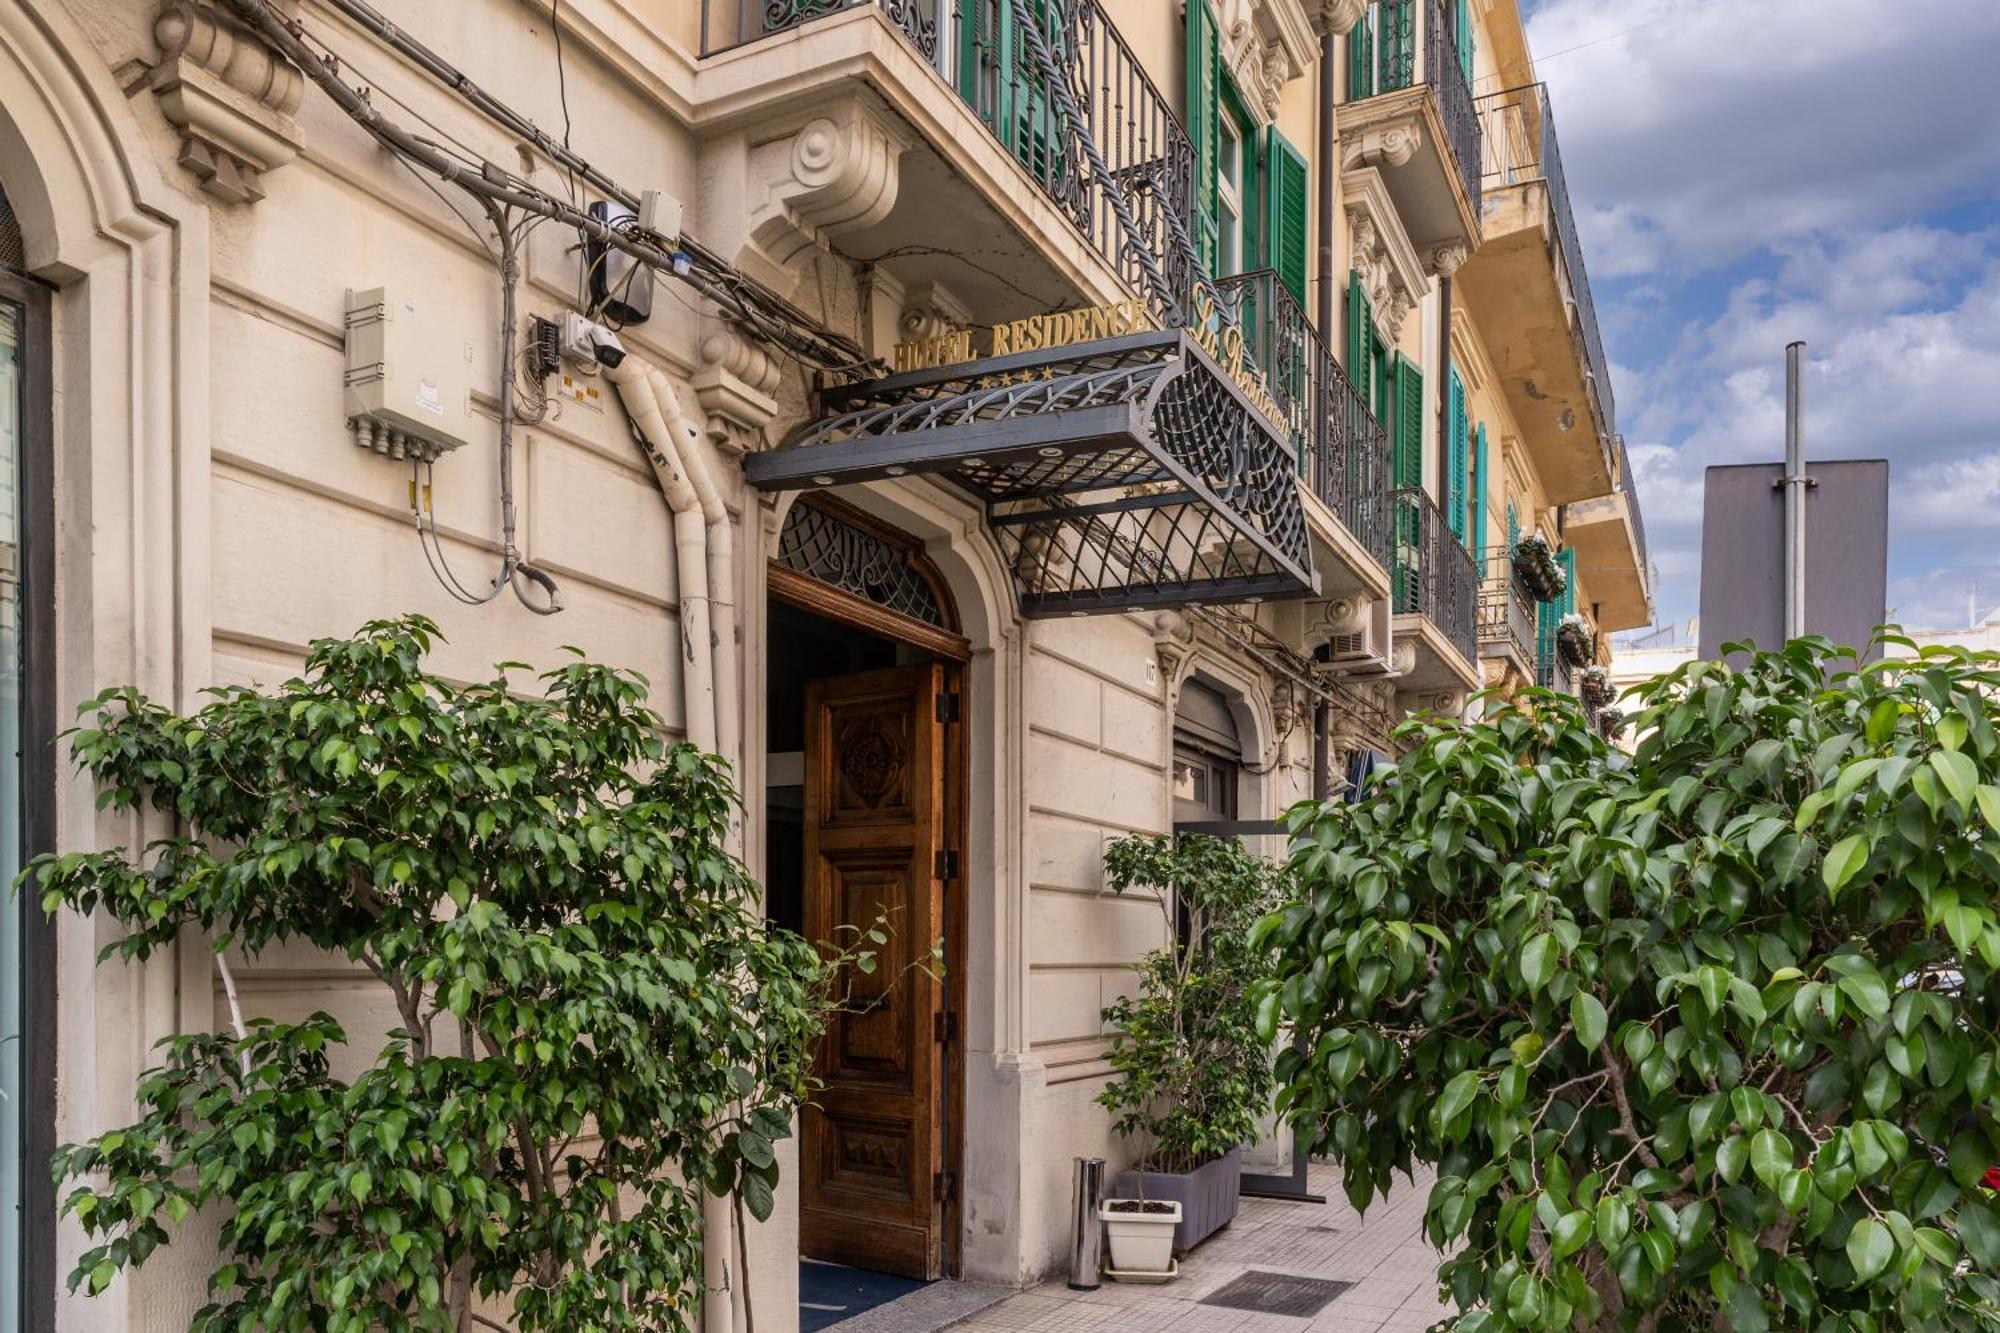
882, 1137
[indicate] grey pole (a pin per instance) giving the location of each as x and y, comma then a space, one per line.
1795, 492
1086, 1255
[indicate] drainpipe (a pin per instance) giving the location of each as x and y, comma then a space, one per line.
639, 388
721, 583
1444, 390
1328, 69
652, 405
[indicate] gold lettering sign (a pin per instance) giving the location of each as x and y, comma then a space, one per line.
1035, 333
1031, 333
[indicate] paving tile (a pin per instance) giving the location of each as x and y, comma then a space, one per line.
1384, 1254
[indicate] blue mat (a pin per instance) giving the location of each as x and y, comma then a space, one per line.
829, 1293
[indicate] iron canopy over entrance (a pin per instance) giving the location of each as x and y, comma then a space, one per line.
1125, 472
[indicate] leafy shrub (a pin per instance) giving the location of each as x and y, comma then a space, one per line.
1702, 1038
596, 1023
1192, 1075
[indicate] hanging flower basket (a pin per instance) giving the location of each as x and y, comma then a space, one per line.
1610, 722
1536, 566
1595, 685
1573, 639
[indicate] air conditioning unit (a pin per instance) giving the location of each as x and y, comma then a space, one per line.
1362, 648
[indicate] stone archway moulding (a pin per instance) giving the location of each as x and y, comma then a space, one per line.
127, 254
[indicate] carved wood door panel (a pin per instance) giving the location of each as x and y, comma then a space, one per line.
874, 1137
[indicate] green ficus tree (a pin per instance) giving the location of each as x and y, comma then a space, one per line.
1705, 1037
595, 1023
1191, 1076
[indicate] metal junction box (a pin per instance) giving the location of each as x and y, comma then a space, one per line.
409, 375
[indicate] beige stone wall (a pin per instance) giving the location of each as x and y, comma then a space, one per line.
218, 516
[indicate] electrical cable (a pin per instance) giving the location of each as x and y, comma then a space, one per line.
562, 86
761, 312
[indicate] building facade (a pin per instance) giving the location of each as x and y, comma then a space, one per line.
1039, 423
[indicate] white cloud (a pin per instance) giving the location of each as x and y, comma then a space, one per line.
1702, 130
1903, 327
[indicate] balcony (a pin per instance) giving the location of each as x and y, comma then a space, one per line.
1342, 451
1609, 535
1508, 614
1411, 115
974, 149
1527, 287
1435, 597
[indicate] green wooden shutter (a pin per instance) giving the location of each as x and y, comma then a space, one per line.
1361, 58
1568, 558
1360, 345
1409, 464
1204, 123
1513, 530
1479, 498
1458, 464
1285, 212
1463, 19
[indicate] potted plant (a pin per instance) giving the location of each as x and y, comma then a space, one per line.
1141, 1232
1573, 639
1536, 566
1594, 685
1191, 1076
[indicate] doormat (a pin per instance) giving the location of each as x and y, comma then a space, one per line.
1277, 1293
831, 1293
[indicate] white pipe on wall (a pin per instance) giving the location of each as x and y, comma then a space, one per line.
721, 578
640, 387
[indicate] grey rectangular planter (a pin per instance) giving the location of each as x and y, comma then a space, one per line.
1207, 1195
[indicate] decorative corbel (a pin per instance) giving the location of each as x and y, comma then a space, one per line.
1173, 643
1339, 16
1441, 261
1387, 145
737, 388
928, 311
230, 96
809, 182
1288, 707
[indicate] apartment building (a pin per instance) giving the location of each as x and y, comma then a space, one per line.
1129, 404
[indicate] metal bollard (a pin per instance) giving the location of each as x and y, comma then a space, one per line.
1087, 1229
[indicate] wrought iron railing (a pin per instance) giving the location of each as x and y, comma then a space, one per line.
1553, 672
980, 48
1519, 142
1434, 575
1382, 58
1342, 450
1506, 611
1629, 484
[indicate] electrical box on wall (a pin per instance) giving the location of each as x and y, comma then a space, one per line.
409, 376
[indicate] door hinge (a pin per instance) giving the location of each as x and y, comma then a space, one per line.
947, 707
944, 1186
946, 866
944, 1026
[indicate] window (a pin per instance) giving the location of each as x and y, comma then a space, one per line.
1250, 184
1208, 757
1229, 198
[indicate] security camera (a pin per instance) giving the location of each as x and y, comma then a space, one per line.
589, 344
605, 346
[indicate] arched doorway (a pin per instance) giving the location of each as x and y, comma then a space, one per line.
864, 824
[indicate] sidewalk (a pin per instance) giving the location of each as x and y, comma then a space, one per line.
1392, 1268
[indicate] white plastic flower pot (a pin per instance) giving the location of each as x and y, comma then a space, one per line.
1141, 1232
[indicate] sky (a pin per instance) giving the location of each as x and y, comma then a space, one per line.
1750, 172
